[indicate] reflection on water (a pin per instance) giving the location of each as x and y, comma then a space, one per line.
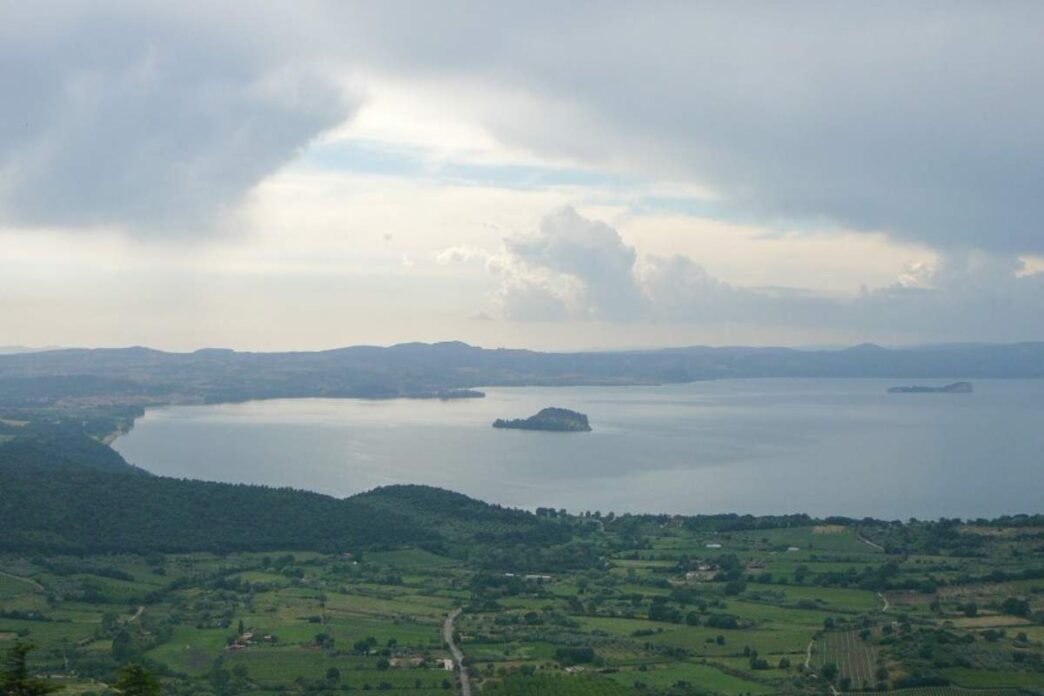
763, 446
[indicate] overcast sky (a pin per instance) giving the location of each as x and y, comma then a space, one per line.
301, 175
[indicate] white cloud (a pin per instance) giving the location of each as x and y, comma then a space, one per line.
574, 269
461, 254
677, 286
919, 274
585, 264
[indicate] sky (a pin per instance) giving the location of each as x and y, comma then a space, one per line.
563, 176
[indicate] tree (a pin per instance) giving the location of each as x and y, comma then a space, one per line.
575, 655
135, 680
735, 587
1015, 606
829, 671
122, 646
15, 679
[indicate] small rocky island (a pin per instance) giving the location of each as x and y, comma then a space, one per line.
451, 394
555, 419
955, 388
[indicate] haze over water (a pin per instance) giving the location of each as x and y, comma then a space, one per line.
823, 446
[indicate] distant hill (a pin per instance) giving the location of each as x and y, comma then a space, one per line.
457, 516
139, 375
954, 388
26, 349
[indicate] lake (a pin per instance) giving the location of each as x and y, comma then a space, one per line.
821, 446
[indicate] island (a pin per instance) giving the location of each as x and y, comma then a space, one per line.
955, 388
554, 419
449, 394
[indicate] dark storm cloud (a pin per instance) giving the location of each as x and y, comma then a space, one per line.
146, 117
925, 120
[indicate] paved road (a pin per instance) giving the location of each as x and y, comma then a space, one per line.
458, 655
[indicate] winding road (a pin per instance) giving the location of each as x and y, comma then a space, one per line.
458, 654
30, 581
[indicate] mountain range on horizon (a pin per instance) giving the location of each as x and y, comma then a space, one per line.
811, 348
145, 375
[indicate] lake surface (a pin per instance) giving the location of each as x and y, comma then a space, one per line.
823, 446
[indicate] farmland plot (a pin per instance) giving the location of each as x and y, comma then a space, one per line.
948, 691
853, 657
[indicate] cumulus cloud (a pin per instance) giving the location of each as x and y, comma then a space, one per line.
918, 274
677, 286
460, 254
573, 268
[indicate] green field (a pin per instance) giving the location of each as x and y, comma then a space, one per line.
649, 611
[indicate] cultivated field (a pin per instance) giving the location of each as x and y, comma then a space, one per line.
854, 658
644, 606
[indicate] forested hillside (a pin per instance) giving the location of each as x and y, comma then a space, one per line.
459, 517
80, 509
42, 447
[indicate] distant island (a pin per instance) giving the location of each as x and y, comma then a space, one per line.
555, 419
955, 388
449, 394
